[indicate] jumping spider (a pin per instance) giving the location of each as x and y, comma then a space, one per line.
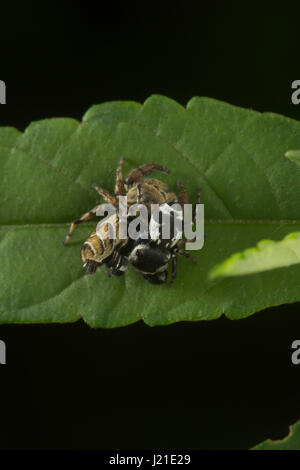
148, 256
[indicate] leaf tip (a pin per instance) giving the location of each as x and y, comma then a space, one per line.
293, 155
214, 272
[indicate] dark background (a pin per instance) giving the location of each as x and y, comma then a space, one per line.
207, 385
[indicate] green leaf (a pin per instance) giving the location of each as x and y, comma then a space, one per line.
266, 255
236, 156
290, 442
294, 156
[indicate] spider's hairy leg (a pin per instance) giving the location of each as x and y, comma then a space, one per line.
187, 255
183, 196
106, 196
109, 271
143, 170
119, 178
84, 218
179, 249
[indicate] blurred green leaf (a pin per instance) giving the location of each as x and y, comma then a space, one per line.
290, 442
294, 156
236, 156
265, 256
